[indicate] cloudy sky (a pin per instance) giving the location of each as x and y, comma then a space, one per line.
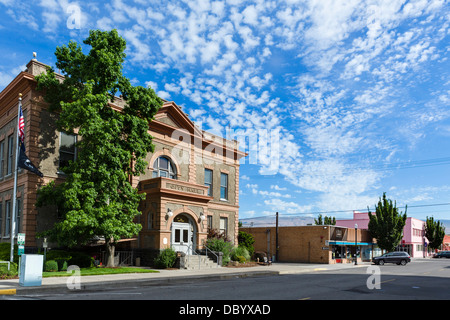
335, 101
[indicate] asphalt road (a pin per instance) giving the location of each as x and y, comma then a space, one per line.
421, 280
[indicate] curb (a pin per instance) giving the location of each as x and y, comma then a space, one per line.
7, 291
103, 286
168, 280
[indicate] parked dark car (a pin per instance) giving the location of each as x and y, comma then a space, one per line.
442, 254
398, 257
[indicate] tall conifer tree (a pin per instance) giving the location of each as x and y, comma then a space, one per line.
434, 232
387, 224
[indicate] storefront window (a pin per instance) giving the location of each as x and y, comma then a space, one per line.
339, 252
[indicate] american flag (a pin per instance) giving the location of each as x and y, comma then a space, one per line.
21, 126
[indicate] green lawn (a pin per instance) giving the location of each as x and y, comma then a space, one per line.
98, 271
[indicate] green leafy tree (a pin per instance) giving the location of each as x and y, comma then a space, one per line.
328, 221
97, 198
387, 224
434, 232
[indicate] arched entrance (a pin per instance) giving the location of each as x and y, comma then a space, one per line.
184, 234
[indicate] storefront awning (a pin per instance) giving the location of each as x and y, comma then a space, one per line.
349, 243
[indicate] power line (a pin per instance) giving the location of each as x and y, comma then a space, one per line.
386, 167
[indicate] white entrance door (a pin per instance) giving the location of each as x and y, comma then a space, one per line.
181, 237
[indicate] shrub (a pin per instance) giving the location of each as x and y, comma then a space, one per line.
165, 259
240, 252
240, 259
58, 255
221, 245
80, 259
260, 255
5, 252
7, 274
216, 234
246, 240
62, 265
50, 266
62, 257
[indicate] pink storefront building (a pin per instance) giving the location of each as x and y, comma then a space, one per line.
413, 242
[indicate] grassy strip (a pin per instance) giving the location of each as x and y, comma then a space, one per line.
98, 271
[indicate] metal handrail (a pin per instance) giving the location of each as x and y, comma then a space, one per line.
190, 247
9, 264
217, 257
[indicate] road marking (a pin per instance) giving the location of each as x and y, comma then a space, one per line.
305, 298
387, 281
7, 291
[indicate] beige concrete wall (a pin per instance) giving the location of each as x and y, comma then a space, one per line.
296, 244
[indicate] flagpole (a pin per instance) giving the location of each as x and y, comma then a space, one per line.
13, 219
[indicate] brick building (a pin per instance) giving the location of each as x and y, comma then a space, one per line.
413, 241
313, 244
191, 183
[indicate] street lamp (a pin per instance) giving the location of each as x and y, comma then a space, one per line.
356, 244
169, 214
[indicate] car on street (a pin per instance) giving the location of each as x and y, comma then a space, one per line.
442, 254
398, 257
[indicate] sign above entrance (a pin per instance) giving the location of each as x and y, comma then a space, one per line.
184, 188
174, 187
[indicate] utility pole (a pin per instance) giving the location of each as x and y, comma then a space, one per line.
276, 239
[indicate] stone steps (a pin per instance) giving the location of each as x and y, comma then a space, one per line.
192, 262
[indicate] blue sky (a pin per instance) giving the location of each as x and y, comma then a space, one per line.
335, 101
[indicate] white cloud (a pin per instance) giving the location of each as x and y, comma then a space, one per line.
347, 67
276, 187
7, 76
163, 94
172, 87
151, 84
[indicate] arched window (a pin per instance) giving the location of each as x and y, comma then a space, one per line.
163, 167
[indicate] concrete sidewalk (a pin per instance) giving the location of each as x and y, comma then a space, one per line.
164, 277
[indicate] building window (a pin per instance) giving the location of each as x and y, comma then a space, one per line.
67, 149
1, 219
2, 158
18, 216
209, 222
224, 226
150, 220
8, 217
9, 165
223, 186
163, 167
209, 181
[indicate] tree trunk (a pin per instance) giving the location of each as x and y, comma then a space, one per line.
111, 248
